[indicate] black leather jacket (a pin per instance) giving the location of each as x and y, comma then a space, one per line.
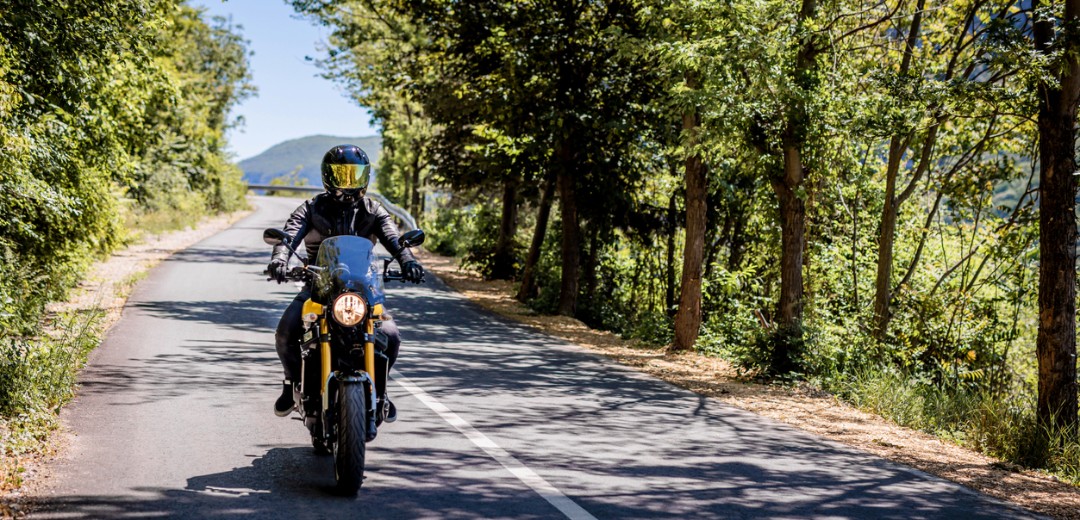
323, 217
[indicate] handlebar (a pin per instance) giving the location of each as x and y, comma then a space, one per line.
298, 273
303, 273
393, 275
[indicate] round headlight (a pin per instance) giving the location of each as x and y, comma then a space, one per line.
349, 309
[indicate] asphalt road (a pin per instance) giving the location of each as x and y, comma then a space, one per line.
496, 421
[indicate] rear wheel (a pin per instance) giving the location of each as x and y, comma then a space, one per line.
351, 433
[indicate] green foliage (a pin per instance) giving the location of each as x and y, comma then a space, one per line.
37, 377
98, 103
380, 55
482, 247
452, 229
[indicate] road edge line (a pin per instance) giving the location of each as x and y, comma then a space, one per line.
526, 475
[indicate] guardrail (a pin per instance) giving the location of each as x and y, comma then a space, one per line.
312, 189
406, 219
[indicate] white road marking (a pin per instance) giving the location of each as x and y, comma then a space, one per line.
514, 466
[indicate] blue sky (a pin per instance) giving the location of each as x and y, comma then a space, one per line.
292, 101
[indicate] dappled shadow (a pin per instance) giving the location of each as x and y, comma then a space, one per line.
293, 482
225, 366
222, 256
626, 445
256, 315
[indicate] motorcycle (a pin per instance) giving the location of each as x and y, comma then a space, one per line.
341, 396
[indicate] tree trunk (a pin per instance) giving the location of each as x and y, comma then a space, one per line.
793, 208
671, 228
886, 239
571, 238
415, 206
1056, 342
406, 192
688, 317
792, 240
592, 263
528, 277
891, 210
737, 243
503, 263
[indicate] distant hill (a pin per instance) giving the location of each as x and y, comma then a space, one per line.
306, 154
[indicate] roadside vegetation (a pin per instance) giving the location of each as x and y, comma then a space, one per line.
845, 192
112, 121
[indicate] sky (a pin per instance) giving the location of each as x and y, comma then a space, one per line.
292, 101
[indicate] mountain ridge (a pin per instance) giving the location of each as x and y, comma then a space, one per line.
299, 159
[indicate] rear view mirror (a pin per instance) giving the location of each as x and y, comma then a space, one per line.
412, 238
274, 236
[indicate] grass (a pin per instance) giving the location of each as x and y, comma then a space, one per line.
184, 213
37, 377
1002, 427
129, 283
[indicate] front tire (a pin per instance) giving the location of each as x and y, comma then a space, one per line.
351, 433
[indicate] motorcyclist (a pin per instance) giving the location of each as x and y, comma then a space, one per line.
343, 209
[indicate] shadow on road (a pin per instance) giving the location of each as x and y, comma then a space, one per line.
247, 315
224, 367
293, 482
626, 445
222, 256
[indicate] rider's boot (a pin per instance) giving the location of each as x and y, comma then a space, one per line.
385, 411
285, 404
391, 411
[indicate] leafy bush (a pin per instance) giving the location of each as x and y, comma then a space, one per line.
140, 111
450, 232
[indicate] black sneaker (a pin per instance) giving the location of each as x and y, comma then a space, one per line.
391, 411
285, 404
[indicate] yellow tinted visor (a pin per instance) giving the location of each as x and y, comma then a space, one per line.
350, 176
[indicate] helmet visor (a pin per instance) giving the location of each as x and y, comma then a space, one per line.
350, 176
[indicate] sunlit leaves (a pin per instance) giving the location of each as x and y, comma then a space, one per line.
98, 99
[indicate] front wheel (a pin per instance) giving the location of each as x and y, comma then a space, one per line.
351, 433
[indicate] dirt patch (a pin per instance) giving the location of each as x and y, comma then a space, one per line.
103, 292
803, 407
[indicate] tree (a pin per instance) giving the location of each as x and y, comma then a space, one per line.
1057, 42
688, 317
98, 99
377, 53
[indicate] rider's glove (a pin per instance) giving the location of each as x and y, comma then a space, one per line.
412, 271
278, 269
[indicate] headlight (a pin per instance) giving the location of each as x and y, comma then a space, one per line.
349, 309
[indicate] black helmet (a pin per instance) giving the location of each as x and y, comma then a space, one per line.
345, 167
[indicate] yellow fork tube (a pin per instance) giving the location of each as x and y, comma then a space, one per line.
324, 358
369, 351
